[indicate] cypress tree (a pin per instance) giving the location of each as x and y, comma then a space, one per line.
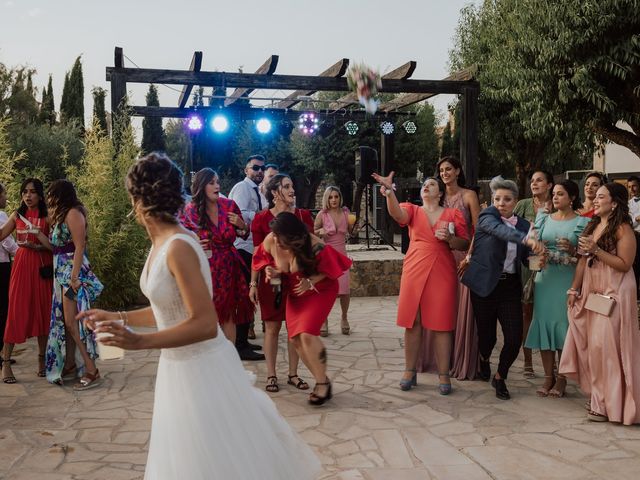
152, 133
64, 101
99, 112
76, 94
47, 107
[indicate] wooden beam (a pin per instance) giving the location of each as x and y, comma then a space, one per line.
281, 82
267, 68
118, 57
336, 70
469, 135
403, 72
196, 65
465, 75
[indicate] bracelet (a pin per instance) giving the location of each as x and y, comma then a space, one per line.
573, 291
124, 316
253, 284
311, 285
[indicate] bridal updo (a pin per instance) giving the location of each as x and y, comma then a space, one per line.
155, 185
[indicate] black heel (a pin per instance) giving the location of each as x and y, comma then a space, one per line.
317, 400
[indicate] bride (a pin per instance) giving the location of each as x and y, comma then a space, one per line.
208, 418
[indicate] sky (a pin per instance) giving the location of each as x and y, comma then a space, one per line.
309, 36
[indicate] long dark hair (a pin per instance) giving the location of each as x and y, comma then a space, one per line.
39, 188
572, 190
62, 197
274, 184
619, 216
441, 186
456, 164
293, 234
199, 198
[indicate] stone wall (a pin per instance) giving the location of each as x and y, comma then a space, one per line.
375, 273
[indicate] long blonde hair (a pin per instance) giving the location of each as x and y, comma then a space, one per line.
325, 197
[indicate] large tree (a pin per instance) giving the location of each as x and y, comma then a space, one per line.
72, 106
152, 133
99, 111
47, 106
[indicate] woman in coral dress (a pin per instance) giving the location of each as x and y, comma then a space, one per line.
217, 222
311, 269
31, 277
602, 352
429, 284
281, 196
332, 225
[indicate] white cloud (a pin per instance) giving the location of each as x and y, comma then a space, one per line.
9, 4
34, 12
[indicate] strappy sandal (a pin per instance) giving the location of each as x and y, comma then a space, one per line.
345, 327
42, 371
543, 391
528, 372
300, 384
88, 381
272, 384
596, 417
556, 392
69, 373
10, 379
317, 400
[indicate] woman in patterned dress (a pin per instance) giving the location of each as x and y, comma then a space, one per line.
30, 284
71, 348
218, 221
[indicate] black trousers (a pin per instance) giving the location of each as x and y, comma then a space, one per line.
242, 329
5, 275
502, 305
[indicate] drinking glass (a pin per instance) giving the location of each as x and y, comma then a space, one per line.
580, 250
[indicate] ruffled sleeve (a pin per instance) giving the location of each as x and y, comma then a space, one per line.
410, 209
261, 259
541, 219
332, 263
460, 224
580, 226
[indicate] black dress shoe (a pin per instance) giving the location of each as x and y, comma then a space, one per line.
253, 346
485, 370
248, 354
501, 388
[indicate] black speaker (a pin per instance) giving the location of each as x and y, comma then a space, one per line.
366, 164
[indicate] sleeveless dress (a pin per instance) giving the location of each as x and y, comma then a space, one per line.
464, 355
206, 411
29, 294
89, 291
549, 324
336, 236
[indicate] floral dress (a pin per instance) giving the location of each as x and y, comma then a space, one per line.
90, 289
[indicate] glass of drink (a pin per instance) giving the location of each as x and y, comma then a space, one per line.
352, 218
441, 227
108, 352
581, 242
535, 262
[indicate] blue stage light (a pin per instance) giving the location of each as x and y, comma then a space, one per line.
220, 124
263, 125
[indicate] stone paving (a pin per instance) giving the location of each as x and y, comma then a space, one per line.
370, 431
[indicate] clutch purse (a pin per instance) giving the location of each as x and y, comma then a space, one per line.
602, 304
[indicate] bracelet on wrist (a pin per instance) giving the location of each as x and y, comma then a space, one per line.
253, 284
311, 285
573, 291
124, 317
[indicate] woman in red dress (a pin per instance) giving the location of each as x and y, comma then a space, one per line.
429, 284
31, 283
217, 221
312, 270
281, 196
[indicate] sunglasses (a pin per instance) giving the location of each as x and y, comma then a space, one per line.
257, 168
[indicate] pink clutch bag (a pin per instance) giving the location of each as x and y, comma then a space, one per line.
602, 304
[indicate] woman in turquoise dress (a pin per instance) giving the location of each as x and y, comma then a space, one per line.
71, 348
560, 232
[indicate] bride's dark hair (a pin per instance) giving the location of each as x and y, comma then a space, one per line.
293, 234
155, 185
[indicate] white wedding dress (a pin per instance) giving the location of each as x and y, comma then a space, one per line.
209, 421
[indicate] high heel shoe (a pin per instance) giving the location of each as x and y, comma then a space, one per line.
317, 400
408, 383
444, 388
543, 391
345, 327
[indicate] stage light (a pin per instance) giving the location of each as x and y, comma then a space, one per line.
263, 125
351, 127
410, 127
194, 123
308, 123
387, 127
220, 124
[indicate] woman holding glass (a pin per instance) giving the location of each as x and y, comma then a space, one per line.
559, 231
333, 224
602, 349
429, 284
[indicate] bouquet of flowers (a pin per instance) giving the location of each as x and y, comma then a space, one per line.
365, 82
561, 258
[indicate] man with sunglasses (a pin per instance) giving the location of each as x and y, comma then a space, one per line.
250, 200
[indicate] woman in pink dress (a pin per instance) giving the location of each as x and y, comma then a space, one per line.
429, 284
602, 350
332, 225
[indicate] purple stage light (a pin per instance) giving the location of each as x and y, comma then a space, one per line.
194, 123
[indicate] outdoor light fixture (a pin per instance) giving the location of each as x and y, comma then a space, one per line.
263, 126
220, 124
410, 127
351, 127
308, 123
194, 123
387, 127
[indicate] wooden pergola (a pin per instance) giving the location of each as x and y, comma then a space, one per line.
398, 81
